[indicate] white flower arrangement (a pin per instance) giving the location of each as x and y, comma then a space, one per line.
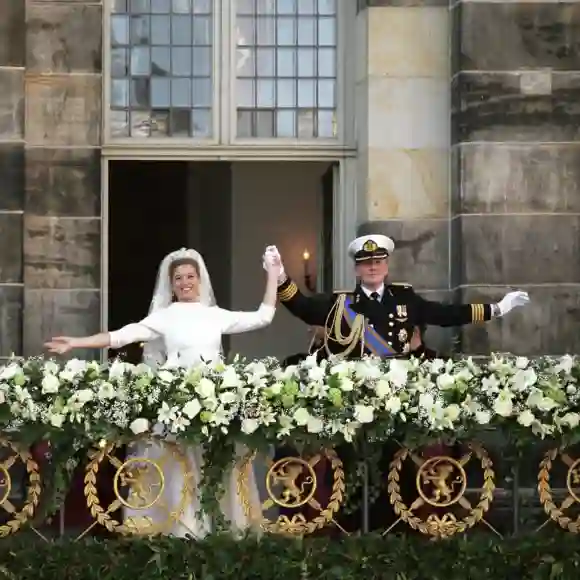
335, 400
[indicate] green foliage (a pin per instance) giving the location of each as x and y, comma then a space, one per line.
220, 557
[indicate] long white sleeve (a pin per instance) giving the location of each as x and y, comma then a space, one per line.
235, 322
135, 332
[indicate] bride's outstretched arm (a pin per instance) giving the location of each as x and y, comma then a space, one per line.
115, 339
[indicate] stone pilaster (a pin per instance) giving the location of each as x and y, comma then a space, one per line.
403, 107
62, 225
12, 29
517, 169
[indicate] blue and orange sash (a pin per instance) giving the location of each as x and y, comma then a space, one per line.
373, 341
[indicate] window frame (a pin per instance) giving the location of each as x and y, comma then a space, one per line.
224, 110
170, 142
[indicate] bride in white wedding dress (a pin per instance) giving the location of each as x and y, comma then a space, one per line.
184, 327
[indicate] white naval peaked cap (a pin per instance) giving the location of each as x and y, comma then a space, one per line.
369, 247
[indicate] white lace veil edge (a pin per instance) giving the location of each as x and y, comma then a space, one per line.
154, 352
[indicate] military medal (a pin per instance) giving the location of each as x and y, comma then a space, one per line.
403, 335
402, 311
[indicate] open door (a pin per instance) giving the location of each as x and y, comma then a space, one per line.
329, 187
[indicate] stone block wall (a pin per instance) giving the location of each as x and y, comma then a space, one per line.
516, 149
50, 123
12, 60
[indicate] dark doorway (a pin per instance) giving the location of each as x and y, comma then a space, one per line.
328, 186
156, 207
147, 220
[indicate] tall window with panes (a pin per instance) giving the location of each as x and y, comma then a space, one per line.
183, 68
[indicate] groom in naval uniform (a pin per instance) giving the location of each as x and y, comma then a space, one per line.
378, 317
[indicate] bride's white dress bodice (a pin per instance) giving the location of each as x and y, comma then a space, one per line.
191, 331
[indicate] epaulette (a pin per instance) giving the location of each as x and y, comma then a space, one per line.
402, 284
343, 291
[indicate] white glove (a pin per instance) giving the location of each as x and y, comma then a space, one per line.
512, 300
270, 253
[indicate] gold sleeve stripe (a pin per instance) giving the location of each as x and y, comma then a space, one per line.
288, 293
477, 313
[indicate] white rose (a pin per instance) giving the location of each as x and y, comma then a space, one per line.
84, 395
117, 369
316, 374
364, 413
483, 417
76, 366
452, 412
228, 398
547, 404
526, 418
9, 372
50, 384
365, 370
139, 426
346, 385
490, 384
310, 361
445, 381
192, 408
340, 369
301, 416
524, 379
522, 362
56, 420
205, 388
383, 388
230, 378
393, 405
165, 376
426, 401
249, 426
503, 405
67, 376
314, 425
437, 365
398, 371
463, 375
571, 420
106, 391
276, 388
257, 370
566, 363
51, 367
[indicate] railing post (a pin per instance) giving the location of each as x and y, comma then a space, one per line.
365, 491
516, 495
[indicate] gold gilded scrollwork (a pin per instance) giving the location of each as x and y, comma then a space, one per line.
139, 485
17, 517
441, 482
291, 483
556, 512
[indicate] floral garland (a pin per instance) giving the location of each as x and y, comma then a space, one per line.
262, 404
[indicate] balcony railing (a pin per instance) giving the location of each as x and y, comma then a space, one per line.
433, 448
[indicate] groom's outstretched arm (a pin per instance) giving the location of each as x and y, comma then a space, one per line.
313, 310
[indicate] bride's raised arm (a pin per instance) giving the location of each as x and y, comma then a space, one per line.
235, 322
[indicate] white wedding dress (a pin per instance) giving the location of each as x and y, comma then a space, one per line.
192, 332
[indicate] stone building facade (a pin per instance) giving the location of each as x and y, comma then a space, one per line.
459, 137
